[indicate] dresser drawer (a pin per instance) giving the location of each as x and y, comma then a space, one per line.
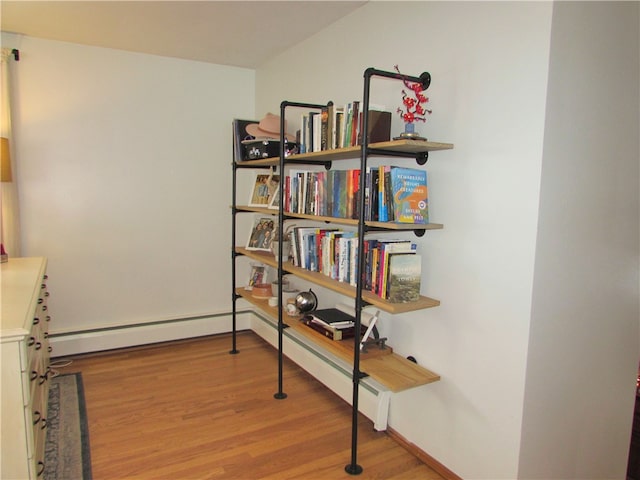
25, 368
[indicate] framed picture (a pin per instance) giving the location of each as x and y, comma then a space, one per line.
239, 134
274, 203
257, 275
264, 188
262, 234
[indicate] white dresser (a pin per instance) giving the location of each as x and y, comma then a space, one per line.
24, 349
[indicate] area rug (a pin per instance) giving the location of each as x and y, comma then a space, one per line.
67, 454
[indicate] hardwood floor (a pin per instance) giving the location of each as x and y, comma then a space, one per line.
190, 410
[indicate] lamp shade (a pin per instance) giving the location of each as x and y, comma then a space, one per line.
5, 160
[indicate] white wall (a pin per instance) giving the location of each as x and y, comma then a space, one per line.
124, 179
104, 179
583, 345
489, 67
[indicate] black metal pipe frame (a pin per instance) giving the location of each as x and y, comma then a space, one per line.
283, 106
234, 350
425, 80
234, 211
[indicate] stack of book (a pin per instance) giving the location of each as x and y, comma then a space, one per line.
332, 323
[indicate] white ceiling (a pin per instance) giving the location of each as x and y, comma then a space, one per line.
239, 33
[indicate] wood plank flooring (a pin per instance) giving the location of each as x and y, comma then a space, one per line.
190, 410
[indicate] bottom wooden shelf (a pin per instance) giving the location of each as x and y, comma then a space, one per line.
393, 371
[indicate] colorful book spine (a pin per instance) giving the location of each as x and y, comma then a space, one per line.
387, 248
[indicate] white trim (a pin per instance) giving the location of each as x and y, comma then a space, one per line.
128, 336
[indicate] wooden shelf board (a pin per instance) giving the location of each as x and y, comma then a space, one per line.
390, 369
263, 162
354, 222
262, 210
404, 226
340, 287
411, 146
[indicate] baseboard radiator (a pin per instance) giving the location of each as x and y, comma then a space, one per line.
123, 336
373, 398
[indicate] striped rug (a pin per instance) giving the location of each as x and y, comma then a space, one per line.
67, 453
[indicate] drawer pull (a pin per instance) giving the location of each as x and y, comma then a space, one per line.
45, 377
38, 417
32, 341
40, 468
36, 320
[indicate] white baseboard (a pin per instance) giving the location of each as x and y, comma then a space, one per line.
110, 338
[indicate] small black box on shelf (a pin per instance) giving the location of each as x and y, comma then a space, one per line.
266, 148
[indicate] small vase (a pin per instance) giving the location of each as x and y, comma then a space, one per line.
286, 249
409, 133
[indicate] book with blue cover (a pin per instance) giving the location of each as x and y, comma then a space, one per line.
410, 195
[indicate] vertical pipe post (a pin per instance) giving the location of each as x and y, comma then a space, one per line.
280, 395
234, 297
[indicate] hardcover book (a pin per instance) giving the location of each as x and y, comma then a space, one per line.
386, 248
403, 283
410, 195
333, 317
332, 333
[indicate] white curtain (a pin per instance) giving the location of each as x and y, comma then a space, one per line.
10, 233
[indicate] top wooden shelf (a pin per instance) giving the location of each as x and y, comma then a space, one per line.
347, 153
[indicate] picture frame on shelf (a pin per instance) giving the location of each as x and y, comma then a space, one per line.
274, 203
257, 276
240, 134
262, 234
265, 186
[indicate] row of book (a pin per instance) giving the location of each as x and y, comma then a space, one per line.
339, 127
392, 267
392, 194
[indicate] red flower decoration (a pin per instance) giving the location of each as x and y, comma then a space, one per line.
414, 111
